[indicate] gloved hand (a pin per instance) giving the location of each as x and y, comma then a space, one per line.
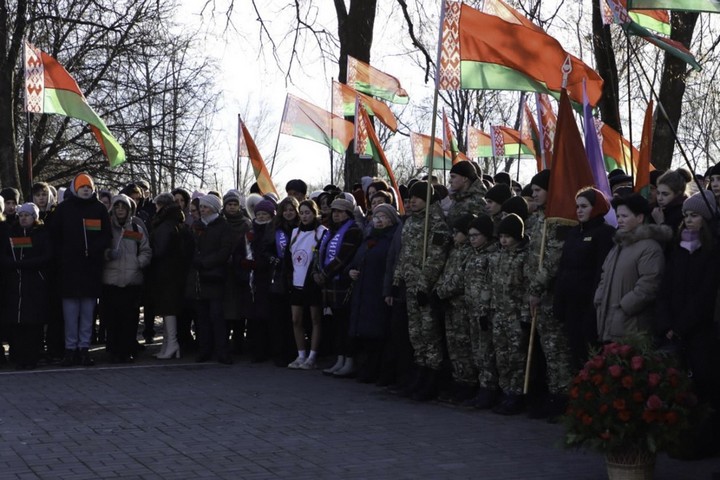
422, 298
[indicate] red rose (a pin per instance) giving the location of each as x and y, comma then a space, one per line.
671, 418
610, 349
589, 396
672, 371
587, 420
649, 416
603, 408
615, 371
654, 402
574, 392
654, 379
584, 375
638, 397
597, 379
597, 362
637, 362
627, 381
625, 350
619, 404
605, 389
624, 415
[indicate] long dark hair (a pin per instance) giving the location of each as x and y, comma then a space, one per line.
312, 206
279, 221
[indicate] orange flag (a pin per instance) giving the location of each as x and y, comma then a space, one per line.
642, 179
570, 168
247, 148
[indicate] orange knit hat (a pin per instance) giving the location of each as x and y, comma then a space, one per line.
82, 180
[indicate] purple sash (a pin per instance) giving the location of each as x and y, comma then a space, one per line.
330, 247
281, 242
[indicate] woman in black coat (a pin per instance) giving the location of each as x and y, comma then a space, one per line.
369, 314
584, 251
670, 195
206, 279
26, 256
81, 233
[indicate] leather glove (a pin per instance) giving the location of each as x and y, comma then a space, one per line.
422, 298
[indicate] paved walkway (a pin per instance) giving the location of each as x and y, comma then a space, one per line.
181, 420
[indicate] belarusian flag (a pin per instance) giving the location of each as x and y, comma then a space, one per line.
512, 143
672, 47
655, 20
366, 79
304, 120
484, 52
642, 179
712, 6
247, 148
344, 105
479, 143
546, 125
617, 150
362, 121
49, 88
421, 151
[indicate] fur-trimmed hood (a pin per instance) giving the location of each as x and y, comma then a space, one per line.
660, 233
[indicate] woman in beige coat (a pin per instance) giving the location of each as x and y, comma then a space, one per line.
631, 273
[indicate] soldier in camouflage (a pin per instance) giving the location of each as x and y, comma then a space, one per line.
508, 308
494, 199
420, 275
467, 191
450, 293
477, 301
540, 297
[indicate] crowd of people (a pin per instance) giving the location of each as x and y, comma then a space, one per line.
434, 303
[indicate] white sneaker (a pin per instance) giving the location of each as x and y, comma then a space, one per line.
308, 364
297, 363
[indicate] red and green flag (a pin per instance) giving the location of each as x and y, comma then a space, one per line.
132, 235
374, 149
344, 105
512, 143
50, 89
570, 168
655, 20
21, 242
675, 48
485, 52
711, 6
92, 224
449, 142
441, 159
642, 180
479, 143
247, 148
366, 79
304, 120
617, 150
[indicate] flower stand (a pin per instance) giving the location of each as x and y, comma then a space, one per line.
630, 465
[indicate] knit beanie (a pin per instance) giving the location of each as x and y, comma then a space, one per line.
30, 208
266, 206
526, 190
542, 179
465, 169
502, 177
388, 210
366, 182
483, 224
252, 200
420, 189
462, 223
232, 195
516, 205
512, 225
296, 185
164, 199
81, 180
500, 193
10, 194
707, 208
212, 201
343, 205
598, 200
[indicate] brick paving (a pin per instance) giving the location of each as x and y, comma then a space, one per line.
180, 420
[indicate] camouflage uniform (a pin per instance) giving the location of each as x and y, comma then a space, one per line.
451, 286
550, 331
477, 301
425, 332
471, 200
507, 279
496, 219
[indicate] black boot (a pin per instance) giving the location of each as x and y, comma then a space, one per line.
416, 383
69, 359
464, 392
429, 390
512, 404
555, 406
485, 398
85, 359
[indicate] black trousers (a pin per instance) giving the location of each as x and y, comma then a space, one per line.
212, 333
120, 310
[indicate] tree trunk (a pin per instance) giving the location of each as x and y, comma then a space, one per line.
607, 67
672, 89
355, 31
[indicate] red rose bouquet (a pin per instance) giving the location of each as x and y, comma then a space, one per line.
629, 397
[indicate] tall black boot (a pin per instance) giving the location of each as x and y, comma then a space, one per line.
85, 359
429, 389
417, 383
69, 359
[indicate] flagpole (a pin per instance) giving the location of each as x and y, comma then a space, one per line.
237, 158
332, 104
277, 141
522, 100
630, 129
27, 144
